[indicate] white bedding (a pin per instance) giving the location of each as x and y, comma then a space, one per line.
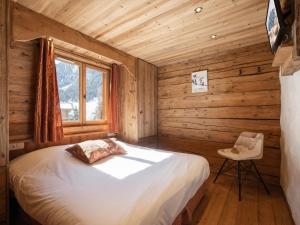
143, 187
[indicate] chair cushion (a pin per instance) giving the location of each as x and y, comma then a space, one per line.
229, 153
246, 142
241, 148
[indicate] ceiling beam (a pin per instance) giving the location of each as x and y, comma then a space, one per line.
29, 25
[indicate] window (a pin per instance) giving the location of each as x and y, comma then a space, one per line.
94, 90
68, 79
82, 91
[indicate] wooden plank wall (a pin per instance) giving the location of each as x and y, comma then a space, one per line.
128, 105
243, 95
3, 82
147, 99
21, 90
21, 95
4, 70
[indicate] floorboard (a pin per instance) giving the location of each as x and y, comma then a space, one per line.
220, 206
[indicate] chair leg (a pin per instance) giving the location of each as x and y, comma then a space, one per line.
239, 179
220, 170
260, 178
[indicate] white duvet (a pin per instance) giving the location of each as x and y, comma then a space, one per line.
143, 187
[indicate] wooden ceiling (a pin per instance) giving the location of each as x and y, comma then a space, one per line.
162, 31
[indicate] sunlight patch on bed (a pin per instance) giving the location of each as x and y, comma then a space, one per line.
145, 154
121, 168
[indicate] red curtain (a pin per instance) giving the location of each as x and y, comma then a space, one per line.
113, 116
47, 118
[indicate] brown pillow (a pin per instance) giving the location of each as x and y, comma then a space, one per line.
94, 150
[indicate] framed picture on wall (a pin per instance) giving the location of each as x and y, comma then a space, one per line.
199, 81
274, 24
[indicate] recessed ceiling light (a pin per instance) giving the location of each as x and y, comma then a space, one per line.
198, 10
214, 36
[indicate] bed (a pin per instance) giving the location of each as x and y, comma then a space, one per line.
145, 186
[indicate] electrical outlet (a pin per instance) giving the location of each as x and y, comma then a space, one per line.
16, 146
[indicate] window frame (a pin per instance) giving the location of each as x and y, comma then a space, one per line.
82, 91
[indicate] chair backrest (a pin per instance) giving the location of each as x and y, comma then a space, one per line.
260, 144
253, 142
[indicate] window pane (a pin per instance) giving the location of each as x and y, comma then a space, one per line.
94, 92
68, 77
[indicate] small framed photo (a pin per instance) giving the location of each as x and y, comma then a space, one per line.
199, 81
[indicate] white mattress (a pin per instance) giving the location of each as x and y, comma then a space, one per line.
144, 187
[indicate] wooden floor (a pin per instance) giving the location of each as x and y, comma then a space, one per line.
220, 206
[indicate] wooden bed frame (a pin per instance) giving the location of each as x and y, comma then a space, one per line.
184, 218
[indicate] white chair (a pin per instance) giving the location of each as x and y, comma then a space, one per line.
248, 147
